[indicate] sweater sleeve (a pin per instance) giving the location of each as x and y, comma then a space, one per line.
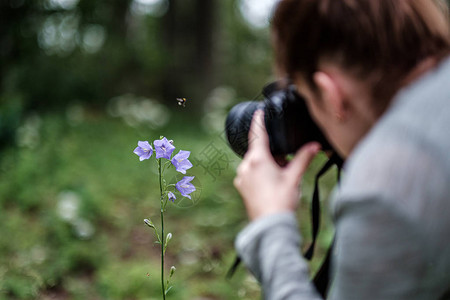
379, 254
269, 247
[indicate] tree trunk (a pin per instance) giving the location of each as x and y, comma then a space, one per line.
189, 38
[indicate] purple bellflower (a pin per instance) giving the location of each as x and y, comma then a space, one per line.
171, 196
185, 187
163, 148
144, 150
181, 162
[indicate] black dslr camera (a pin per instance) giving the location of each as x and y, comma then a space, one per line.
287, 121
289, 127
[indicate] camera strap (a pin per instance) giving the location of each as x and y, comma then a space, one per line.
322, 278
315, 204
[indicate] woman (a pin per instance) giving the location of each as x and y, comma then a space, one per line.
376, 78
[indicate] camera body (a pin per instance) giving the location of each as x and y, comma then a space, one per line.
287, 120
289, 126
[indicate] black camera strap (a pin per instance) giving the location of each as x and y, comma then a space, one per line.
315, 204
321, 279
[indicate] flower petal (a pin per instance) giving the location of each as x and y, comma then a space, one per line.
171, 196
185, 187
144, 145
144, 150
138, 151
181, 162
163, 148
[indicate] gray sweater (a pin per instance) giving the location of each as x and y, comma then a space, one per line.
391, 211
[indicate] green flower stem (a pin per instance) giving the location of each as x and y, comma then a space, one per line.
163, 288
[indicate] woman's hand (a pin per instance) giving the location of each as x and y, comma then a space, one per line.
265, 187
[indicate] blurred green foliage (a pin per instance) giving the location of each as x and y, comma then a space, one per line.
55, 52
72, 207
83, 81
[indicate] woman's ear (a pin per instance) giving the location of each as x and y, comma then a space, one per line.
331, 94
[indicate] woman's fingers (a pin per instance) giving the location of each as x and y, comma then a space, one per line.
298, 165
257, 135
265, 186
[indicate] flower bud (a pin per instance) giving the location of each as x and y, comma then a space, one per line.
172, 270
168, 237
149, 223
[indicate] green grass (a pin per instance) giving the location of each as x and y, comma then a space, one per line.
104, 250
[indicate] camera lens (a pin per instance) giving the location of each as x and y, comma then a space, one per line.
237, 125
286, 117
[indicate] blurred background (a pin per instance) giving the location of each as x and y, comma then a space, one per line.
81, 81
